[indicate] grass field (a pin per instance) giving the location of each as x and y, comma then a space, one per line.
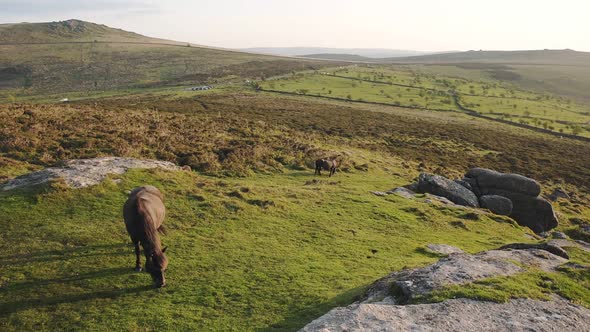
256, 241
265, 252
558, 72
411, 86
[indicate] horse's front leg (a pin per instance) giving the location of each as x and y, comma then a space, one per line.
137, 257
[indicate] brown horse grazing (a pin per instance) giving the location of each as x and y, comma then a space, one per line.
144, 213
328, 165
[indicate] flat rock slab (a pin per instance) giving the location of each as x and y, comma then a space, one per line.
457, 315
458, 269
403, 192
79, 173
568, 243
444, 249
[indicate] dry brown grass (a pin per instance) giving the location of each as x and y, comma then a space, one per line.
240, 133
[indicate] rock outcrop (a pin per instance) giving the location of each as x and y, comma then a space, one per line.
497, 204
382, 307
80, 173
403, 192
443, 249
457, 315
489, 179
441, 186
528, 208
461, 268
534, 212
512, 195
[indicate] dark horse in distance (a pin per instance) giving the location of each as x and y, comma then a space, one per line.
144, 213
328, 165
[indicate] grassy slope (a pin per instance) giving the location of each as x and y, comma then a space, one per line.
260, 252
73, 66
69, 31
237, 263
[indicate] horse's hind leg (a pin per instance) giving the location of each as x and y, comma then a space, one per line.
137, 257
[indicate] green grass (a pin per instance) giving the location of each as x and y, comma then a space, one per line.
495, 98
571, 284
356, 90
265, 252
571, 281
254, 244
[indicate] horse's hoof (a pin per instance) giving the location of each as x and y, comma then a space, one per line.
137, 269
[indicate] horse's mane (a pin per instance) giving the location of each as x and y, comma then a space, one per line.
151, 238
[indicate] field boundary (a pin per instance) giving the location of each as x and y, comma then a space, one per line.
437, 90
521, 125
359, 101
387, 83
454, 94
462, 110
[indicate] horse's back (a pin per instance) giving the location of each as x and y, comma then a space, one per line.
144, 203
328, 164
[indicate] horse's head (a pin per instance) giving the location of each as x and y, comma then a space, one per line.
156, 265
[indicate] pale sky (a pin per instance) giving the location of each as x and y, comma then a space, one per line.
427, 25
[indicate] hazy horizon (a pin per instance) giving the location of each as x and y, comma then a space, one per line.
428, 26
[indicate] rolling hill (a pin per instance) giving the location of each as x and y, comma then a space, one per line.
364, 52
75, 55
339, 57
70, 31
529, 57
559, 72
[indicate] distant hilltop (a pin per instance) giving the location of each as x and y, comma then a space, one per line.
546, 56
378, 55
358, 52
72, 30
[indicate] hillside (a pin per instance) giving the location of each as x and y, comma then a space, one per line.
63, 56
338, 57
559, 72
365, 52
256, 241
69, 31
545, 57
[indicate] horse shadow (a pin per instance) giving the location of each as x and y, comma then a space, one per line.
7, 308
54, 255
19, 290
